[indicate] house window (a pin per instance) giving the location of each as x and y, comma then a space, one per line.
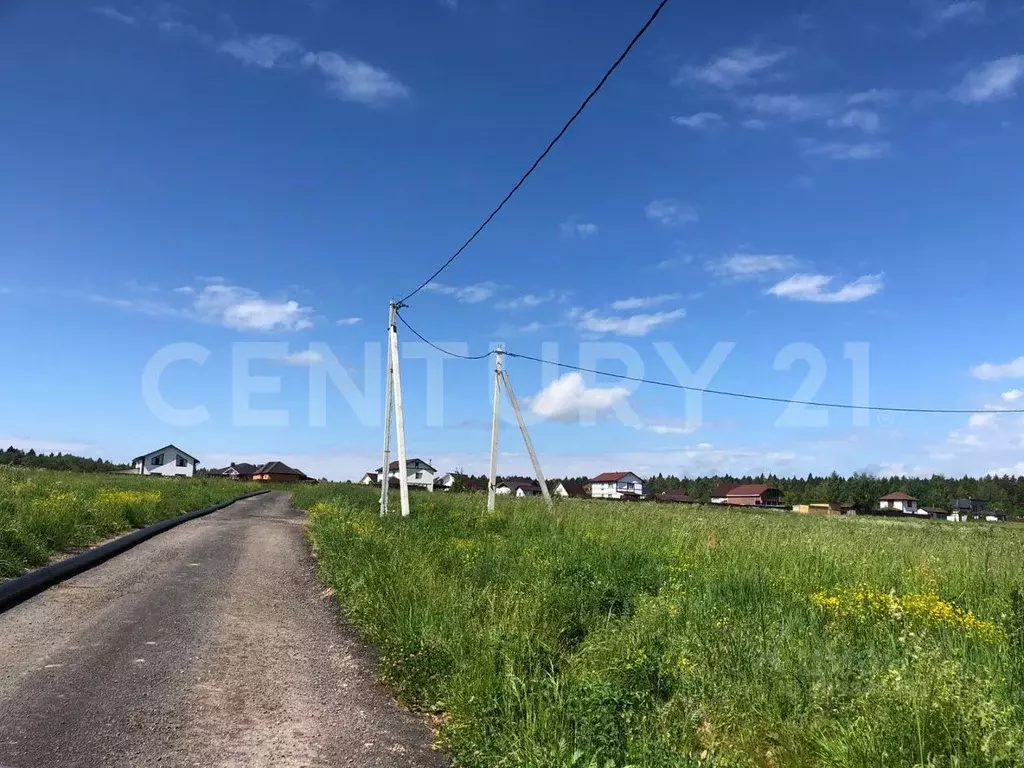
157, 460
419, 475
182, 461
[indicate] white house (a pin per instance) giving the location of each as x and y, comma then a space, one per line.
518, 488
617, 485
446, 481
169, 461
570, 490
419, 473
370, 478
900, 501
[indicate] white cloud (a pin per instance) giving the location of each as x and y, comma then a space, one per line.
632, 325
467, 294
671, 212
115, 15
996, 80
246, 310
866, 120
699, 120
841, 150
880, 96
667, 429
304, 358
526, 301
996, 371
804, 287
790, 106
1017, 470
1012, 395
568, 397
754, 124
354, 80
643, 302
266, 51
733, 68
962, 10
977, 420
743, 266
349, 321
572, 227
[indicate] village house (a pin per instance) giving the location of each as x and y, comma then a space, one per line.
570, 490
278, 472
825, 508
169, 461
678, 496
519, 488
617, 485
721, 493
756, 495
420, 474
240, 471
899, 501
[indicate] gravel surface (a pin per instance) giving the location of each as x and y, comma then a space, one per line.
208, 645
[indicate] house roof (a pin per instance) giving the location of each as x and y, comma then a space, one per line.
374, 476
750, 490
574, 489
723, 490
516, 484
612, 477
242, 469
278, 468
169, 447
394, 465
898, 496
934, 511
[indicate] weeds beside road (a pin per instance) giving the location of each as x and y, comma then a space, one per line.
43, 513
615, 635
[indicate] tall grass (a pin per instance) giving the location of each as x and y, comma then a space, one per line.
43, 513
628, 635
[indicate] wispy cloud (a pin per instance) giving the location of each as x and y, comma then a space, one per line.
115, 15
349, 321
526, 301
1012, 395
671, 212
266, 51
573, 227
354, 80
746, 266
467, 294
991, 82
643, 302
217, 303
569, 398
593, 321
754, 124
997, 371
878, 96
790, 106
306, 357
962, 10
866, 120
815, 288
700, 120
738, 66
841, 150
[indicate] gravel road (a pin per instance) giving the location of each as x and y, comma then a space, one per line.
209, 645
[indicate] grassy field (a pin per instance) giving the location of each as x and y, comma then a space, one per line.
43, 513
636, 635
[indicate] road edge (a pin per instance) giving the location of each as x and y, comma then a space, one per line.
16, 591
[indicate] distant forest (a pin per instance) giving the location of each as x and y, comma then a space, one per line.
16, 457
862, 490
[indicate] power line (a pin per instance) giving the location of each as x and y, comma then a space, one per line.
547, 149
720, 392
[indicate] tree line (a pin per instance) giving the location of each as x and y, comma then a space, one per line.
15, 457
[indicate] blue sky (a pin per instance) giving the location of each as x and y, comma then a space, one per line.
812, 174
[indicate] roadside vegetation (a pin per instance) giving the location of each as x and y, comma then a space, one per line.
43, 513
639, 635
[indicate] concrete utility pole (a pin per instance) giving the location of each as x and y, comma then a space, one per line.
501, 378
499, 367
394, 398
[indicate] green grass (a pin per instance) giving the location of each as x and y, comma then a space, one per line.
43, 513
636, 635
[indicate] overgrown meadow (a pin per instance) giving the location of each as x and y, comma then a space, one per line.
43, 513
636, 635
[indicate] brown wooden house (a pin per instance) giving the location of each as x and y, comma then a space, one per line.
279, 472
757, 495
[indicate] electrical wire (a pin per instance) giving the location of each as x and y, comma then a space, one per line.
707, 391
550, 146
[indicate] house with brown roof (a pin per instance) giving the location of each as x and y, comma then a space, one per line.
520, 488
617, 485
677, 496
278, 472
721, 493
755, 495
900, 501
570, 490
